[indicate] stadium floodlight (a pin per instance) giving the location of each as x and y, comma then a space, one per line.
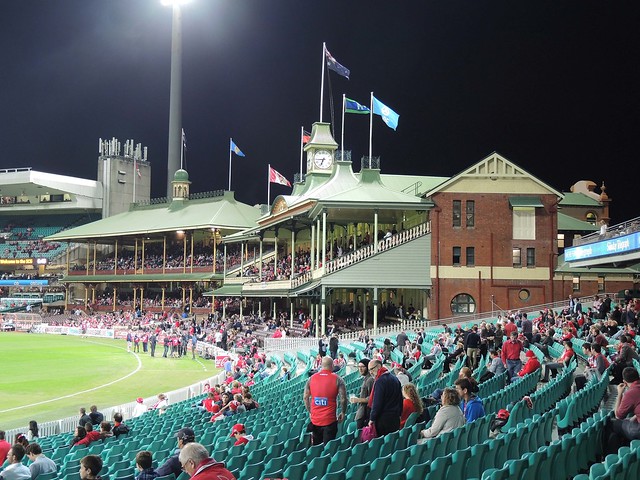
174, 2
175, 94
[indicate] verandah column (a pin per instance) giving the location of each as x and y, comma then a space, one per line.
324, 238
375, 310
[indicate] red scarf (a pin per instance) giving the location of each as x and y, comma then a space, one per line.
381, 370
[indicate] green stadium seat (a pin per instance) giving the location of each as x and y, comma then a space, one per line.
379, 467
338, 475
317, 467
48, 476
418, 471
252, 471
296, 470
357, 472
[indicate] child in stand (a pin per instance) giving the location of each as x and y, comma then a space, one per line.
144, 464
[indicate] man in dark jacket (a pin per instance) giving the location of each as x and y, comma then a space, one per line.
385, 400
172, 464
333, 346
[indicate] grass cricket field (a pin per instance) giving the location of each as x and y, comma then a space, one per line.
48, 377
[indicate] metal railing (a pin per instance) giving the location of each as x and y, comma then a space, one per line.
625, 228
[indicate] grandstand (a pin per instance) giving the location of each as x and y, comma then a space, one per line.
559, 437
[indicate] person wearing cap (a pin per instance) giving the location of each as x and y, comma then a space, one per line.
320, 397
139, 408
240, 434
532, 365
195, 460
184, 436
362, 414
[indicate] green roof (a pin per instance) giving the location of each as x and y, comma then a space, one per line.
181, 176
226, 290
222, 212
345, 187
147, 277
525, 201
566, 222
579, 200
410, 184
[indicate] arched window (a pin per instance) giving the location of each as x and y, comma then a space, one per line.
591, 218
463, 303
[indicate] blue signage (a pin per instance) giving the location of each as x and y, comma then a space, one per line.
23, 283
604, 248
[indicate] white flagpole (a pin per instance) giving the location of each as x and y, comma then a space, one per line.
182, 149
230, 139
269, 185
371, 129
301, 148
135, 174
324, 57
342, 132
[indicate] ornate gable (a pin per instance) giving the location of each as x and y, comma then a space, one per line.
495, 174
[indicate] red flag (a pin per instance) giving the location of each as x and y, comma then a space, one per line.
306, 136
275, 177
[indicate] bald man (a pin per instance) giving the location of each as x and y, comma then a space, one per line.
321, 401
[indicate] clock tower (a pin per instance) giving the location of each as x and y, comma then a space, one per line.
320, 149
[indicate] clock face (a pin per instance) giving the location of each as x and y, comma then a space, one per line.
323, 159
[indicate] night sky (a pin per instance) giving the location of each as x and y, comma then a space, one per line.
553, 86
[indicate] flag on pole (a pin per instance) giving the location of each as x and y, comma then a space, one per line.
388, 116
351, 106
306, 136
275, 177
234, 148
184, 140
138, 171
332, 64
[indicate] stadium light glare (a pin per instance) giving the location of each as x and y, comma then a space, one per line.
174, 2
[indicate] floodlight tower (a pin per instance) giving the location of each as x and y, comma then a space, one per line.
175, 95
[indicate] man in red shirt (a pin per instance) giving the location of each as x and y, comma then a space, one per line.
321, 401
4, 447
510, 327
511, 350
195, 460
621, 429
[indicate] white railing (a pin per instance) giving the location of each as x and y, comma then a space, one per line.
289, 344
301, 279
363, 253
266, 286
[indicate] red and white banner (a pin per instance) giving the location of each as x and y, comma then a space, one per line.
276, 177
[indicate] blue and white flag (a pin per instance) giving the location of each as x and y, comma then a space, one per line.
234, 148
332, 64
388, 116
